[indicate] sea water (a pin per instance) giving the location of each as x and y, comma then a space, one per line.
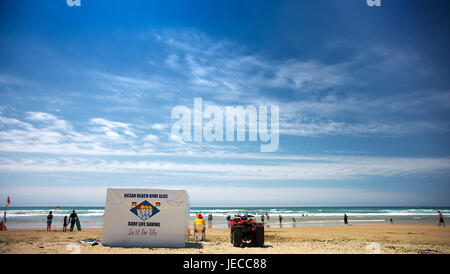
36, 217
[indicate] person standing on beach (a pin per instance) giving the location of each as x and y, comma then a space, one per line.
49, 221
281, 219
73, 219
229, 221
210, 218
441, 219
65, 224
262, 218
345, 219
199, 227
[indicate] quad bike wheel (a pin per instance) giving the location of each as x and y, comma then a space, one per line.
237, 237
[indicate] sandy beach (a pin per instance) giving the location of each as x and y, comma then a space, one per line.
400, 239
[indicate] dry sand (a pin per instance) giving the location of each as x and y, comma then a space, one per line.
319, 239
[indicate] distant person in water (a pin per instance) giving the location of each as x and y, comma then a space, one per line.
262, 218
65, 224
73, 219
280, 218
441, 219
293, 220
345, 219
49, 221
210, 217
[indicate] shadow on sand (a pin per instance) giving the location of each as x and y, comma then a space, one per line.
249, 245
192, 245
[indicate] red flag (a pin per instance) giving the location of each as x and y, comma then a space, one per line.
7, 204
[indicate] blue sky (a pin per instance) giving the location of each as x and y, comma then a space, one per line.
86, 95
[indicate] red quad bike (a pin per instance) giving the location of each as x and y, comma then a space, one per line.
246, 230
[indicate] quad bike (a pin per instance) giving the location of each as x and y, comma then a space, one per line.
246, 230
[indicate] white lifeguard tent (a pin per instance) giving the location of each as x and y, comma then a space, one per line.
138, 217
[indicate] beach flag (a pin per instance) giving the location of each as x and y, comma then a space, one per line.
158, 203
3, 226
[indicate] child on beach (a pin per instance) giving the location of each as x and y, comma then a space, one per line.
65, 224
49, 221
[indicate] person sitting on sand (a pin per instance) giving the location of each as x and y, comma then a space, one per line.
49, 221
199, 224
73, 219
441, 219
65, 224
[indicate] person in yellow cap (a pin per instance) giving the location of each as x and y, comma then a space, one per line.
199, 225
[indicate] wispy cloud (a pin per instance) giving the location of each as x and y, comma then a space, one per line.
325, 95
328, 168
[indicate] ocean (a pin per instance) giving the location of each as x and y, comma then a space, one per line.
92, 217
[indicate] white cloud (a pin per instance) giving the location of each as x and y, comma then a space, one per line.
226, 73
159, 126
52, 121
172, 61
110, 128
152, 138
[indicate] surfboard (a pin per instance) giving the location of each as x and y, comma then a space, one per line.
78, 224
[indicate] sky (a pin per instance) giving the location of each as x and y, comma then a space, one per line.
86, 95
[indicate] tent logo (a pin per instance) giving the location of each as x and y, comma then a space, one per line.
144, 210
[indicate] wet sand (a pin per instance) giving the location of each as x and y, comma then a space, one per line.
420, 239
